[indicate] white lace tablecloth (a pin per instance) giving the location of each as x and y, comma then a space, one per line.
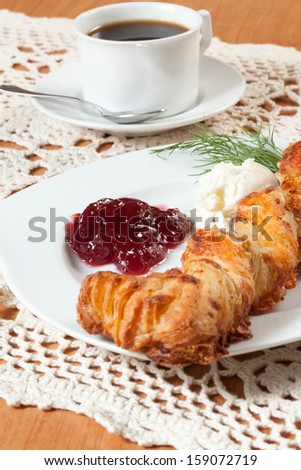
188, 408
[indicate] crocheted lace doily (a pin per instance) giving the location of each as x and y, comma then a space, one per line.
188, 408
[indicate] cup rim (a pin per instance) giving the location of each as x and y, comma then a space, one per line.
94, 40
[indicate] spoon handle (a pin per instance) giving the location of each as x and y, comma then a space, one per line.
122, 117
22, 91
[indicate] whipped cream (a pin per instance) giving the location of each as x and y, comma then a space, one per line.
221, 189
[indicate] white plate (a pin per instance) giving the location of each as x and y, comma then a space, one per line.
221, 86
46, 277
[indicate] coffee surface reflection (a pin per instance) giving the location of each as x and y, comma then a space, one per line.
137, 30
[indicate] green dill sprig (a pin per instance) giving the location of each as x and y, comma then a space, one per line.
214, 148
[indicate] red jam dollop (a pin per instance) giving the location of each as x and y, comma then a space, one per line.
127, 232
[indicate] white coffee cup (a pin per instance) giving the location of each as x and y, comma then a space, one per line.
146, 74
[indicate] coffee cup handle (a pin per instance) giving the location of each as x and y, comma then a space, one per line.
206, 30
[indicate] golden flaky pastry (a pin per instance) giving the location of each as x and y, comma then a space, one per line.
271, 239
289, 176
180, 316
189, 315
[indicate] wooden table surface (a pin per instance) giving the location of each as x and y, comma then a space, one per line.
234, 21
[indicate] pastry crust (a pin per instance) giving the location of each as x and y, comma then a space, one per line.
180, 316
270, 237
289, 176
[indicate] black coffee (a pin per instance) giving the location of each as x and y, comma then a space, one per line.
139, 30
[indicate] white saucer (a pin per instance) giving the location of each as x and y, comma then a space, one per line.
221, 86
